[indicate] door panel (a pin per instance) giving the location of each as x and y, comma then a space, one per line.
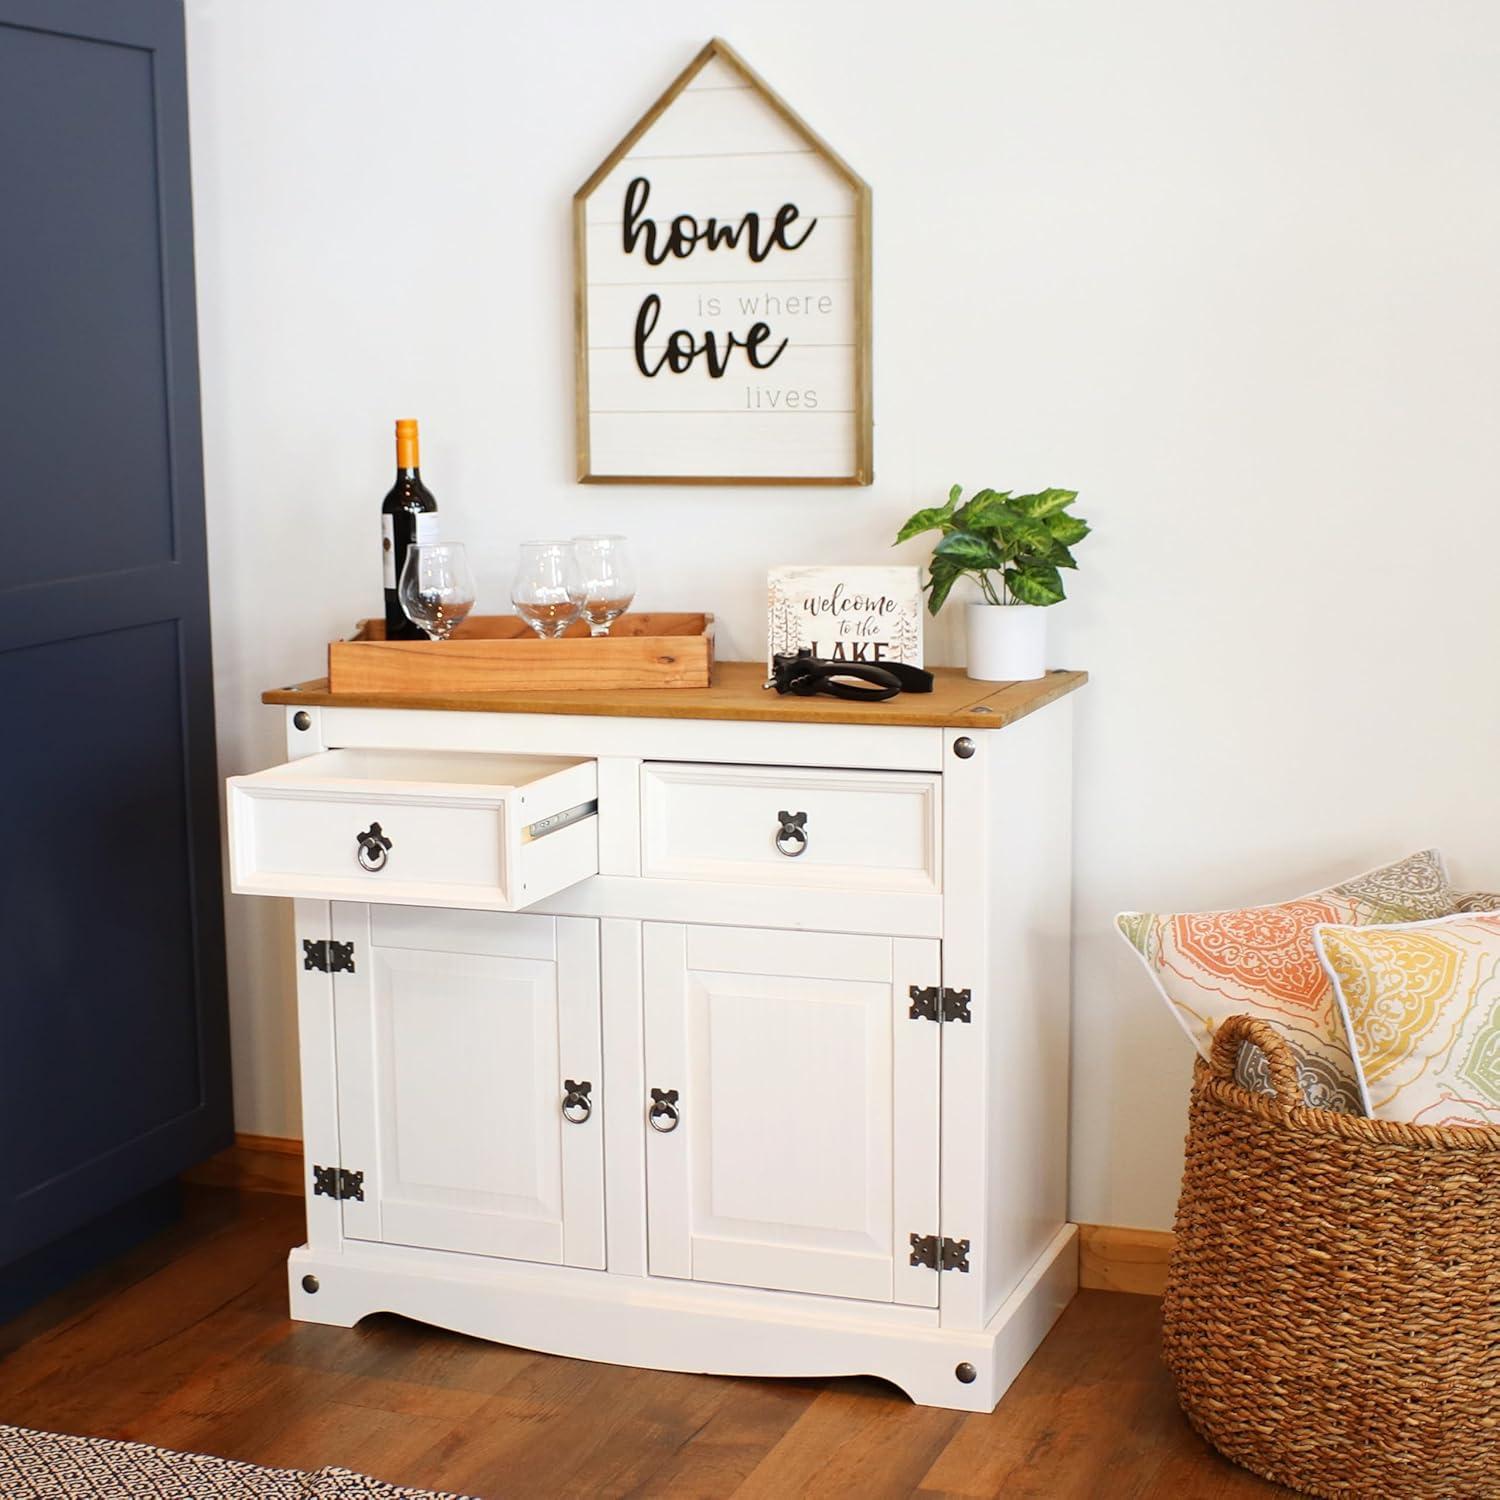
114, 1067
806, 1151
107, 1015
82, 107
454, 1042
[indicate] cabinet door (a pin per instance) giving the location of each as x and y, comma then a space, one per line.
805, 1149
457, 1034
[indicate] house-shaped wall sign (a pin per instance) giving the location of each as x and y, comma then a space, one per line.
723, 295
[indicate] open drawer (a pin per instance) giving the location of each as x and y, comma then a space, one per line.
415, 828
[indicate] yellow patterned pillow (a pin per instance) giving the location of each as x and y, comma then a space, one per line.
1261, 962
1421, 1005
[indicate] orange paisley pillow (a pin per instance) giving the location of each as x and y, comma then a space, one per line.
1263, 961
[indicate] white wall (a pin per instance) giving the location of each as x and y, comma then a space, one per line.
1228, 269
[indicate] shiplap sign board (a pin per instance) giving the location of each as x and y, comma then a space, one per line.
723, 285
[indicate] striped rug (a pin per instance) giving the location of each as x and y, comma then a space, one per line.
50, 1466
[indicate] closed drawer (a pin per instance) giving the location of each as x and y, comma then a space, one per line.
416, 828
854, 830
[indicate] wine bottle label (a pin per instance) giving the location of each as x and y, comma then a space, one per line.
388, 549
425, 533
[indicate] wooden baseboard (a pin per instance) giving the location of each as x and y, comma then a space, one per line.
1110, 1258
278, 1145
1114, 1259
255, 1163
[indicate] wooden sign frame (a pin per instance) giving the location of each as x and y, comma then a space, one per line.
863, 471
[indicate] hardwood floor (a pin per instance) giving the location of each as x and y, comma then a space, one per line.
186, 1343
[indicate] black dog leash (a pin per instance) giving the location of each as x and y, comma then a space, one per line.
864, 682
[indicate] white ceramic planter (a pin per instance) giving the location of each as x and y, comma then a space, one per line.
1007, 642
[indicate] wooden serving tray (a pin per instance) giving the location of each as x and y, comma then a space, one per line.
492, 653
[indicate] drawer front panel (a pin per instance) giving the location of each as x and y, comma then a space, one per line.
854, 830
482, 832
429, 844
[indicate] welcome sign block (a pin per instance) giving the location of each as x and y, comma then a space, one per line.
846, 614
722, 260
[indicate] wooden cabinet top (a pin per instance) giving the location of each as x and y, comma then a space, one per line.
956, 701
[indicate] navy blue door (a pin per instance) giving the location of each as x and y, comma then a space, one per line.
113, 1046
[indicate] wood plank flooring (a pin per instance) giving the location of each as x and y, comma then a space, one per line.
186, 1343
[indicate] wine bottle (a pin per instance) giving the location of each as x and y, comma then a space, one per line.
408, 517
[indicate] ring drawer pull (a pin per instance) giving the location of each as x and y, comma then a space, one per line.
373, 845
791, 836
576, 1105
663, 1114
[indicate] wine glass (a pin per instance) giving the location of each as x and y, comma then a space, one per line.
548, 590
608, 579
436, 588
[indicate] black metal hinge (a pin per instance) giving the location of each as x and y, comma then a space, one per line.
327, 955
336, 1182
938, 1003
939, 1254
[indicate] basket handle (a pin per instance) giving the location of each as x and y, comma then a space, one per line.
1224, 1054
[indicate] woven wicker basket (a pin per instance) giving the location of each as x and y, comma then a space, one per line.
1332, 1311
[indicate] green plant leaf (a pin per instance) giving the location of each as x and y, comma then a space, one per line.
1045, 502
961, 515
1035, 583
1010, 532
983, 511
931, 519
999, 521
965, 550
1030, 535
944, 576
1069, 530
939, 567
1060, 557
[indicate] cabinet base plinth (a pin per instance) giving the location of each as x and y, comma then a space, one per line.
692, 1327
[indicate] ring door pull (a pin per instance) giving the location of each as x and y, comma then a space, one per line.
576, 1105
791, 836
372, 848
663, 1114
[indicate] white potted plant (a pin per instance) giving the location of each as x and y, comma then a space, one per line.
1013, 546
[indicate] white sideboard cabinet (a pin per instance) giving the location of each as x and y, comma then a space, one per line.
698, 1029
